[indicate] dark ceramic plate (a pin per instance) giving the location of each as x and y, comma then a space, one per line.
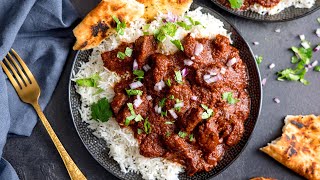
97, 147
285, 15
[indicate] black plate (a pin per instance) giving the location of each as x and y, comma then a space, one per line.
99, 151
285, 15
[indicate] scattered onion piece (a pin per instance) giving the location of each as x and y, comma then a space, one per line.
135, 85
277, 30
302, 37
137, 102
194, 98
149, 97
223, 70
184, 72
305, 44
263, 81
173, 114
231, 62
213, 72
146, 67
179, 105
318, 32
171, 17
159, 85
135, 65
276, 100
256, 43
317, 48
198, 49
314, 63
213, 79
272, 65
193, 58
206, 76
188, 62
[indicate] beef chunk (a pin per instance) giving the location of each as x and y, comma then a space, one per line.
146, 45
208, 135
118, 101
236, 133
151, 146
160, 65
194, 119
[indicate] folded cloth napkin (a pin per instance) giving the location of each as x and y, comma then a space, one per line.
40, 31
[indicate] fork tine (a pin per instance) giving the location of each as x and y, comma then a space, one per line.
14, 72
11, 78
24, 66
19, 69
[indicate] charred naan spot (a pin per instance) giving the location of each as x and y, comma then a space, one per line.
293, 137
305, 149
292, 151
298, 124
84, 44
99, 27
311, 169
115, 8
314, 128
287, 138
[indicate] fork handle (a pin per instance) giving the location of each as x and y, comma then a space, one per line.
72, 168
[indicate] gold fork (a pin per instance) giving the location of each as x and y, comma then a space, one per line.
29, 91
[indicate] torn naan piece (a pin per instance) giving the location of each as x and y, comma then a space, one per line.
153, 7
299, 146
99, 24
262, 178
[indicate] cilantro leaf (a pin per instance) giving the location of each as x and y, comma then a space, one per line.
167, 29
168, 82
128, 52
162, 102
178, 76
171, 97
101, 110
178, 44
184, 25
168, 122
208, 113
191, 138
168, 134
121, 55
147, 126
139, 131
236, 4
294, 60
316, 68
229, 97
89, 82
259, 59
193, 22
130, 106
139, 74
182, 134
134, 92
120, 25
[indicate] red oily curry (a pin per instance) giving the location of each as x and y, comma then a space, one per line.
188, 107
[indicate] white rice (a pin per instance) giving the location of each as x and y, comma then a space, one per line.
281, 6
123, 146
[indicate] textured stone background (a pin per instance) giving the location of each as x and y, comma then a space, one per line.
35, 157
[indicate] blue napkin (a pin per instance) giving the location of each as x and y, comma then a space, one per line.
40, 31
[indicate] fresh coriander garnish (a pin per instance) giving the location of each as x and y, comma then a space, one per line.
133, 115
184, 25
171, 97
178, 108
139, 74
120, 25
228, 96
168, 134
162, 102
147, 126
236, 4
208, 113
145, 29
164, 113
134, 92
138, 118
178, 44
316, 68
259, 59
168, 82
318, 19
301, 59
128, 52
178, 76
182, 134
193, 22
191, 138
167, 29
168, 122
101, 110
139, 131
92, 81
121, 55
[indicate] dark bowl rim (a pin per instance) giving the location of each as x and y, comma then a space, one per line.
260, 88
234, 13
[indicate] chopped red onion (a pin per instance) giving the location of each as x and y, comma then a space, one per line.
184, 72
256, 43
135, 65
213, 79
137, 101
314, 63
173, 114
149, 97
263, 81
302, 37
188, 62
178, 105
157, 109
272, 65
194, 98
192, 35
146, 67
277, 30
193, 58
276, 100
231, 62
318, 32
317, 48
307, 68
305, 44
159, 85
223, 70
206, 76
198, 49
171, 17
135, 85
213, 72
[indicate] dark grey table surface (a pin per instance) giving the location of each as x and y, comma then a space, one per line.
35, 157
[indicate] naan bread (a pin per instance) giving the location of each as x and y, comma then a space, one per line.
153, 7
99, 24
299, 146
262, 178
